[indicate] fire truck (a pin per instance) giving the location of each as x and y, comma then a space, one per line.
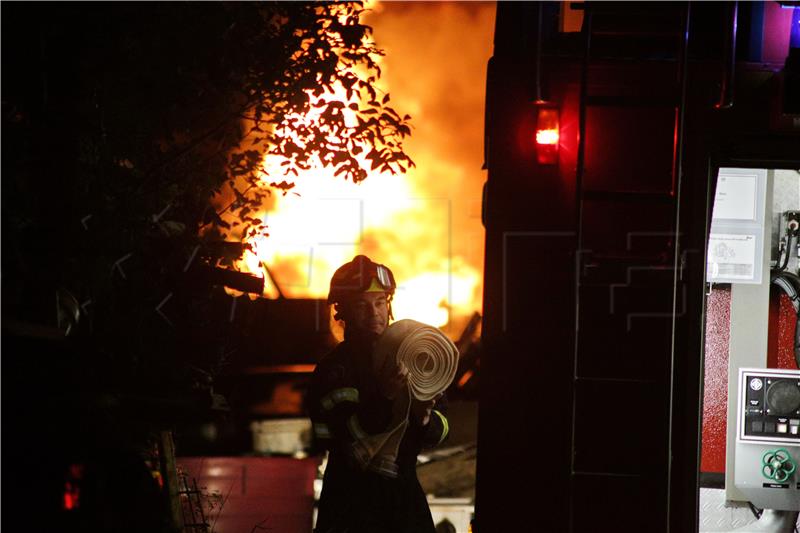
646, 375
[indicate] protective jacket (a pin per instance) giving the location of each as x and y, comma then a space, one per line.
347, 409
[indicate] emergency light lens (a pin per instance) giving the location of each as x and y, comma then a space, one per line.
547, 136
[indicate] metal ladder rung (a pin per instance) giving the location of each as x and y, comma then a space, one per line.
639, 34
633, 258
630, 101
628, 196
585, 379
626, 8
606, 474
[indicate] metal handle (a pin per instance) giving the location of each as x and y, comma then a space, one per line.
729, 60
484, 194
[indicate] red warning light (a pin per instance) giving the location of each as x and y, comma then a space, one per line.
72, 489
547, 136
72, 496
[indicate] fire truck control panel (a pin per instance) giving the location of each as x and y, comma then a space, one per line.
768, 438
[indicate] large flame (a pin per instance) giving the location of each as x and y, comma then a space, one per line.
425, 225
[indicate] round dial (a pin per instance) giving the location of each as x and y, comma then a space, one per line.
783, 397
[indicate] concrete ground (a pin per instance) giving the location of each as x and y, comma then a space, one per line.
448, 471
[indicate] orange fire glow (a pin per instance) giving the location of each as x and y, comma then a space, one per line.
425, 225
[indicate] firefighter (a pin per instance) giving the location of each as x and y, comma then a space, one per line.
351, 404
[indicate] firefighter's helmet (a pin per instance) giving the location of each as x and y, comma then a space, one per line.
360, 275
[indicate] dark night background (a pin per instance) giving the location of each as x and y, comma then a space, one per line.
119, 121
123, 131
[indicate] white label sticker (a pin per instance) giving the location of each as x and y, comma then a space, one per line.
736, 197
731, 256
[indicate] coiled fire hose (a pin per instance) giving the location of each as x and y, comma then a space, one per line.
430, 357
431, 360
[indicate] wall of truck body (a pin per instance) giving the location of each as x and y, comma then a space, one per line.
579, 446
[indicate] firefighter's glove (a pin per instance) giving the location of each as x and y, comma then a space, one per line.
421, 410
393, 381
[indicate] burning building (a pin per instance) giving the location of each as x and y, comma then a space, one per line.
425, 223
